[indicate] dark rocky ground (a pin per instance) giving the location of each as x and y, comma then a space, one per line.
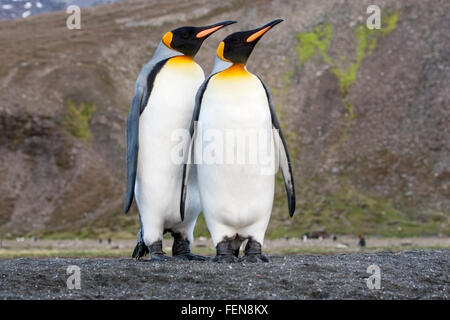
404, 275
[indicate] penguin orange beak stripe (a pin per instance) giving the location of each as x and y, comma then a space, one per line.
258, 34
207, 32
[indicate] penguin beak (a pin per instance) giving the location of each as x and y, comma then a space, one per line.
207, 31
261, 31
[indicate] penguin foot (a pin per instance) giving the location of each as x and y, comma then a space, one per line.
254, 258
156, 252
252, 253
227, 251
141, 250
225, 258
190, 257
160, 257
181, 249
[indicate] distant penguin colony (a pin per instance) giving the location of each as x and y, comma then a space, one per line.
236, 197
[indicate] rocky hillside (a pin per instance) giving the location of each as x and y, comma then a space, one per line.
366, 112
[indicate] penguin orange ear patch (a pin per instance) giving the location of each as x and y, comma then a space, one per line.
220, 49
167, 39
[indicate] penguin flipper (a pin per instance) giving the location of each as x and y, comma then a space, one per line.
144, 85
284, 158
185, 179
133, 145
189, 155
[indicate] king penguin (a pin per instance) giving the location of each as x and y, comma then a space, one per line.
236, 197
163, 102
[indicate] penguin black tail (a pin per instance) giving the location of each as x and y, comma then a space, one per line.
141, 250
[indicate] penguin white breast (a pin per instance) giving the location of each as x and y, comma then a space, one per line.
239, 97
167, 114
235, 194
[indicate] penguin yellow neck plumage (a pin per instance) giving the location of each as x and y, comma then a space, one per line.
182, 64
237, 70
180, 61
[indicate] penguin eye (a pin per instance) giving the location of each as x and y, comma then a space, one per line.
185, 35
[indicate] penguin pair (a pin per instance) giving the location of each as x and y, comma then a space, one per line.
171, 94
163, 102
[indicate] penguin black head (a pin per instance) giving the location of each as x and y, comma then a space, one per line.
188, 40
237, 47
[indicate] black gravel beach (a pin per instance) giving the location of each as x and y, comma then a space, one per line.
404, 275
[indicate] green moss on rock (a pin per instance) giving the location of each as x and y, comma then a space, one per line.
308, 43
77, 119
317, 40
367, 40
